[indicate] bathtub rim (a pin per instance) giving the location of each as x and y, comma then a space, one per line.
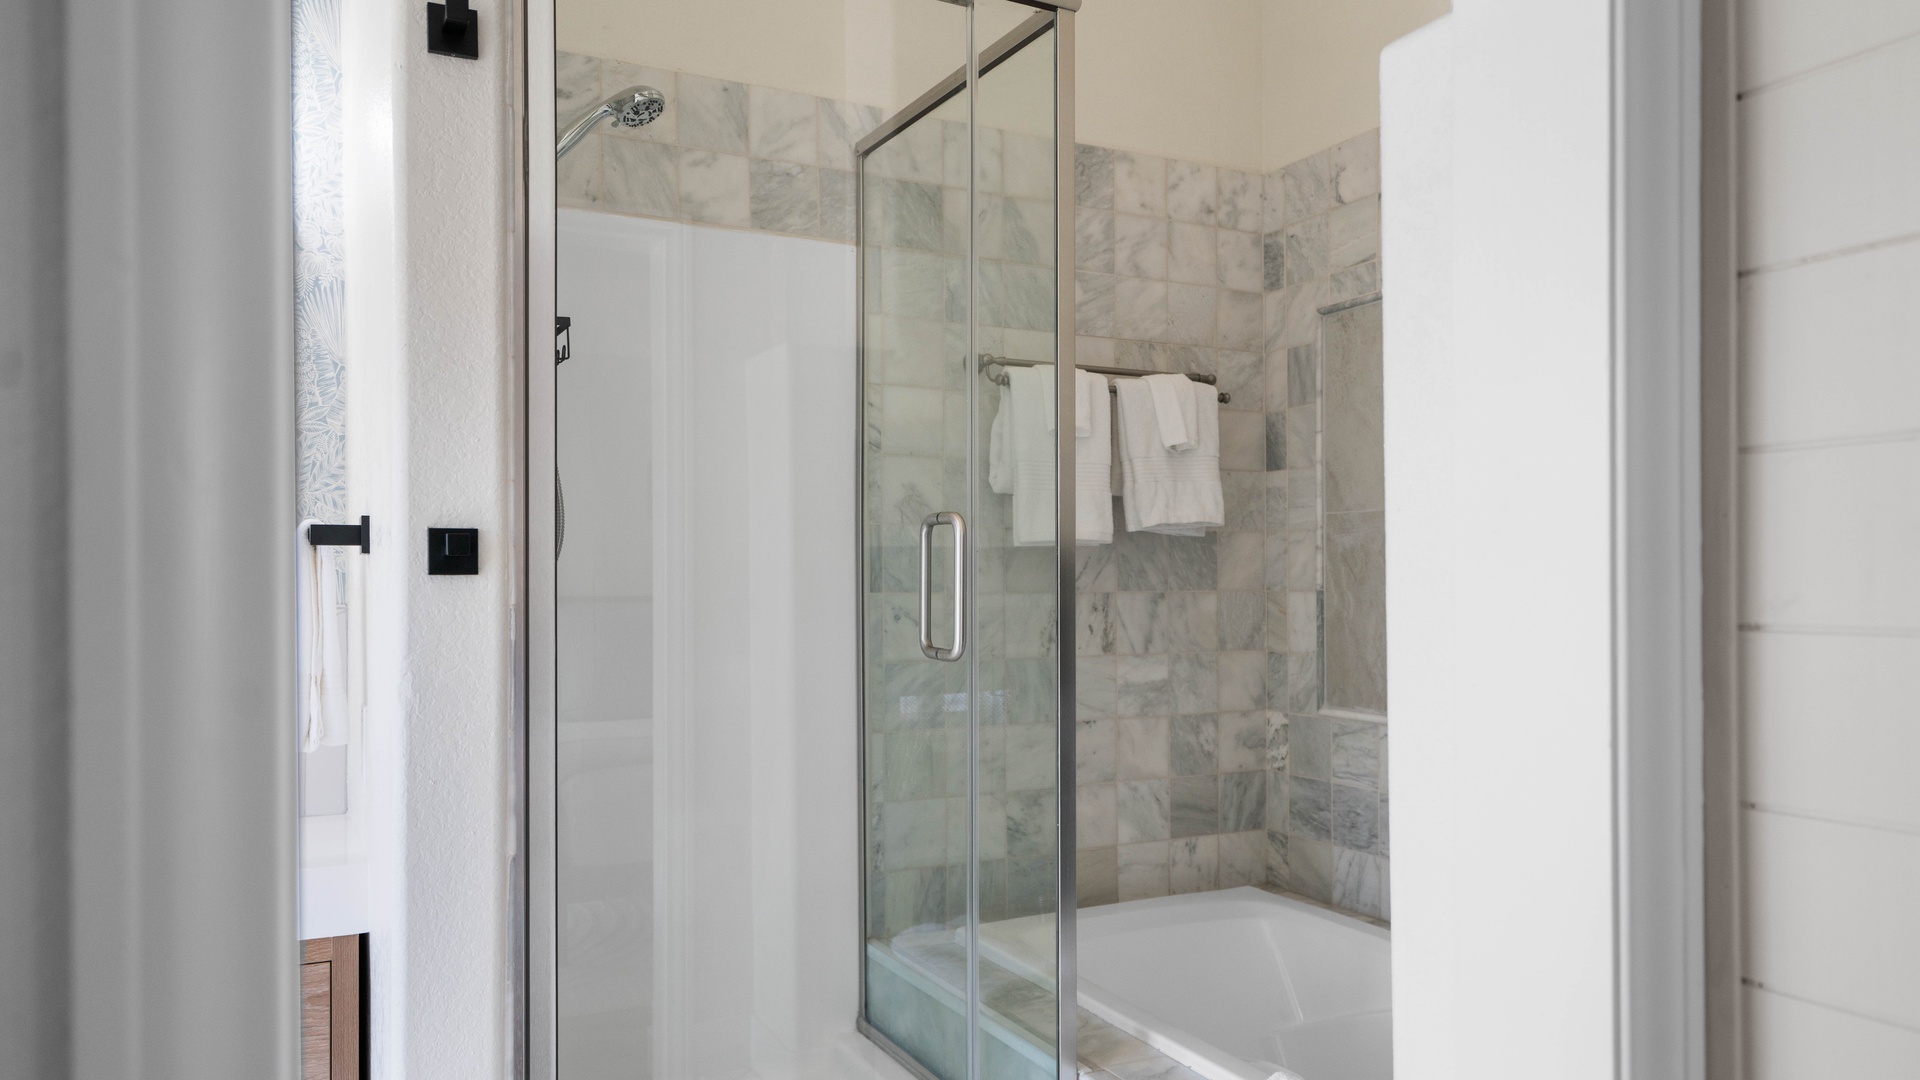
1003, 940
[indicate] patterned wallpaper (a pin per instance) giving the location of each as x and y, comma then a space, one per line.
320, 292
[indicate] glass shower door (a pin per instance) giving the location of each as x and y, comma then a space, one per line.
966, 709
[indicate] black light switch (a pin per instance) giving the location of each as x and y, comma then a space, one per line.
453, 551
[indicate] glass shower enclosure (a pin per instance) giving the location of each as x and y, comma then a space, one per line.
800, 686
966, 255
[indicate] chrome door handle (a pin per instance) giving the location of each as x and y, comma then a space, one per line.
960, 590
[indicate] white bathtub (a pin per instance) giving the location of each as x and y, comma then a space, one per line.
1232, 983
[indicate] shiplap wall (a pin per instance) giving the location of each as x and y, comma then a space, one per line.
1829, 132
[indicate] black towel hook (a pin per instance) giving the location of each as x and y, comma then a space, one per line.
360, 536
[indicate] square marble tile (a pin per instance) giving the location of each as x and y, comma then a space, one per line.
1310, 867
1273, 201
714, 188
1193, 746
784, 197
1097, 823
783, 125
1243, 801
1140, 246
1143, 870
1093, 177
1193, 864
842, 125
1144, 686
1239, 320
1140, 309
1242, 741
1310, 807
1143, 813
1361, 884
1243, 441
1355, 167
1307, 187
1243, 681
1094, 303
1192, 254
1139, 184
576, 86
1143, 748
836, 206
1192, 192
713, 114
1240, 195
579, 178
1239, 261
1310, 746
1243, 859
1093, 240
1353, 233
1356, 818
1094, 751
1192, 313
1195, 805
1306, 256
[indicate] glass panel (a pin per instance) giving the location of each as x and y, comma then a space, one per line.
917, 756
1016, 606
962, 795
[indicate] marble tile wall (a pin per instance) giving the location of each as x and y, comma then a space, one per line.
1179, 661
723, 153
1327, 768
1205, 759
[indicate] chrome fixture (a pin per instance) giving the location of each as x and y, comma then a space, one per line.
636, 106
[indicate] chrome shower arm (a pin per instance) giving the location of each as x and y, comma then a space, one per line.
580, 128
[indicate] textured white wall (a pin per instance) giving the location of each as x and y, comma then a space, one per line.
432, 407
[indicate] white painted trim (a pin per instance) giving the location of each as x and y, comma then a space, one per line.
1540, 170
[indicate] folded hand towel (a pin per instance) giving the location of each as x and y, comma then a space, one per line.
1093, 461
1168, 492
321, 656
1173, 407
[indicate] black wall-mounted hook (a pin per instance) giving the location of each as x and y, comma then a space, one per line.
562, 338
453, 29
360, 536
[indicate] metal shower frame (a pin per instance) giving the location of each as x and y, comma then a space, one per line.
533, 1020
1058, 18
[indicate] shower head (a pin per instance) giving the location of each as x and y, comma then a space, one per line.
636, 106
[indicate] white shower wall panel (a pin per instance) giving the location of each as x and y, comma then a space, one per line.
708, 855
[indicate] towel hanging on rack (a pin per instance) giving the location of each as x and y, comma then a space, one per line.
320, 657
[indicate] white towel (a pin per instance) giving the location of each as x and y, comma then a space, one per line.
1173, 406
1034, 460
1168, 492
321, 645
1092, 460
1000, 446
